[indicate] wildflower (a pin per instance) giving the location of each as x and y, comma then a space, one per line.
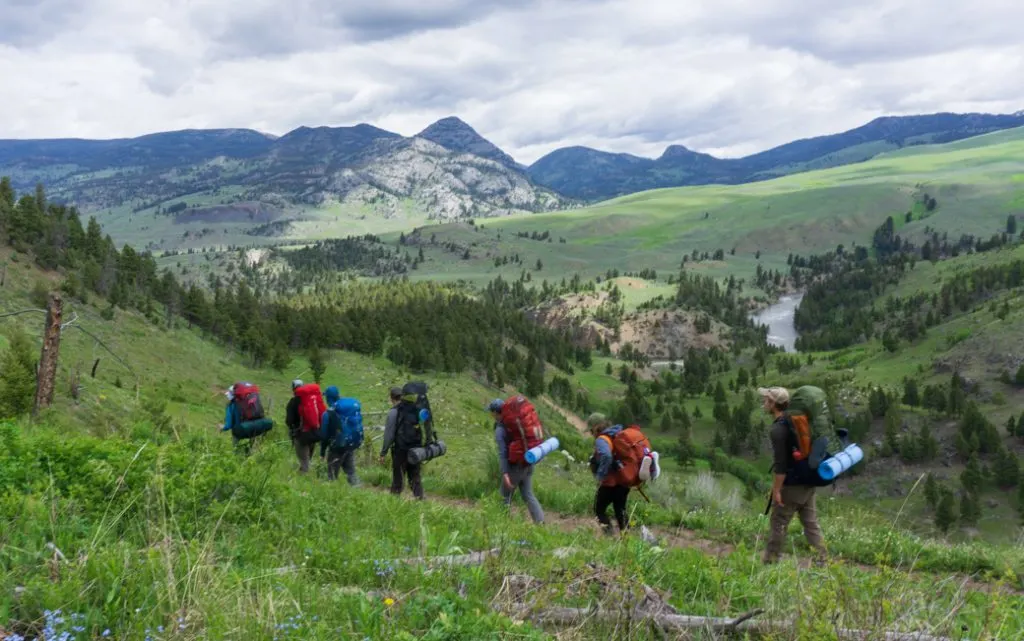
389, 602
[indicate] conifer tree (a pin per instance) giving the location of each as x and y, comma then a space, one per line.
945, 513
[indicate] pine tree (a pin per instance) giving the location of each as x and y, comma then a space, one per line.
931, 490
1007, 469
317, 365
945, 513
911, 396
927, 446
972, 477
17, 376
892, 426
970, 509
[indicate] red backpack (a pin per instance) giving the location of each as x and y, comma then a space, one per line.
247, 402
629, 447
311, 407
523, 430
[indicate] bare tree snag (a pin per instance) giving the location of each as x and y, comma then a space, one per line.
46, 379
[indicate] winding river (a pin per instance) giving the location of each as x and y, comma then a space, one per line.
779, 319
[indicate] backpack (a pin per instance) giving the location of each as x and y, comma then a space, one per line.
809, 425
414, 417
311, 407
630, 448
247, 402
523, 430
350, 436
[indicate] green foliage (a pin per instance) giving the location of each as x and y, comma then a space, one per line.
17, 376
316, 364
970, 509
945, 513
931, 490
972, 478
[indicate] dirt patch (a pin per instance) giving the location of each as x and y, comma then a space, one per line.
659, 333
656, 333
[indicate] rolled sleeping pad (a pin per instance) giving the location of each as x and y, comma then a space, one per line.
252, 429
833, 467
419, 455
535, 454
649, 468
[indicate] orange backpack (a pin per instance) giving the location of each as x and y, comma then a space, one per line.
629, 447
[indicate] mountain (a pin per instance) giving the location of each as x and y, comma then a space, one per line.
455, 135
448, 171
589, 174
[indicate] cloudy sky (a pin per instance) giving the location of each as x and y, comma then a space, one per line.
728, 77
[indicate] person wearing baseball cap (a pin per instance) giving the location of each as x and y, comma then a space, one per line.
401, 468
789, 497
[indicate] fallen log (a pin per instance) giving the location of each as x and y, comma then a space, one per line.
688, 623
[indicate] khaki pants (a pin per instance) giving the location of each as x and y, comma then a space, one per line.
796, 500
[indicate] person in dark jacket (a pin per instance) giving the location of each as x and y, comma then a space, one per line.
512, 475
338, 458
603, 464
304, 444
400, 465
791, 495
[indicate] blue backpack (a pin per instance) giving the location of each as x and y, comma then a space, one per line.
351, 434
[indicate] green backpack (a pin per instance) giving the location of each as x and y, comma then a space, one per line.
812, 402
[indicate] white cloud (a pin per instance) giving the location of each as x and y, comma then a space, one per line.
725, 76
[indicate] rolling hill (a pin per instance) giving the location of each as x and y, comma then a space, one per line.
589, 174
448, 171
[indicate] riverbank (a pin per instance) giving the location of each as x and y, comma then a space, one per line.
780, 320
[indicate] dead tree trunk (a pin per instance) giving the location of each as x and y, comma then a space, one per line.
47, 377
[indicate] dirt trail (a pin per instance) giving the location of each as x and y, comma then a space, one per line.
573, 420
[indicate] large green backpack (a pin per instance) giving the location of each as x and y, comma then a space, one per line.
812, 402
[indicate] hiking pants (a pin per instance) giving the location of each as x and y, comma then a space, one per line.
522, 478
342, 459
615, 496
796, 500
304, 452
400, 467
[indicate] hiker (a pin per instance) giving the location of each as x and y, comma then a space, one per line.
793, 489
333, 438
399, 437
604, 466
517, 473
304, 414
304, 441
244, 416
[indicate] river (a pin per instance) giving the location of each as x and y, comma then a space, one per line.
779, 319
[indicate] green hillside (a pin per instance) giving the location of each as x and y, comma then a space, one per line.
165, 533
976, 183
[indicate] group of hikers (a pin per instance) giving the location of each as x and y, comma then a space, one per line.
622, 458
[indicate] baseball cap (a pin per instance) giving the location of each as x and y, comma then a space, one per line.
395, 392
496, 405
778, 395
296, 383
596, 419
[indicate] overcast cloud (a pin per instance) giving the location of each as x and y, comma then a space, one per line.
728, 77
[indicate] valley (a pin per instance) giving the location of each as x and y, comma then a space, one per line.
893, 283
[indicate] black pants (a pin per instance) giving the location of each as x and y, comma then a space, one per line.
400, 467
615, 496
